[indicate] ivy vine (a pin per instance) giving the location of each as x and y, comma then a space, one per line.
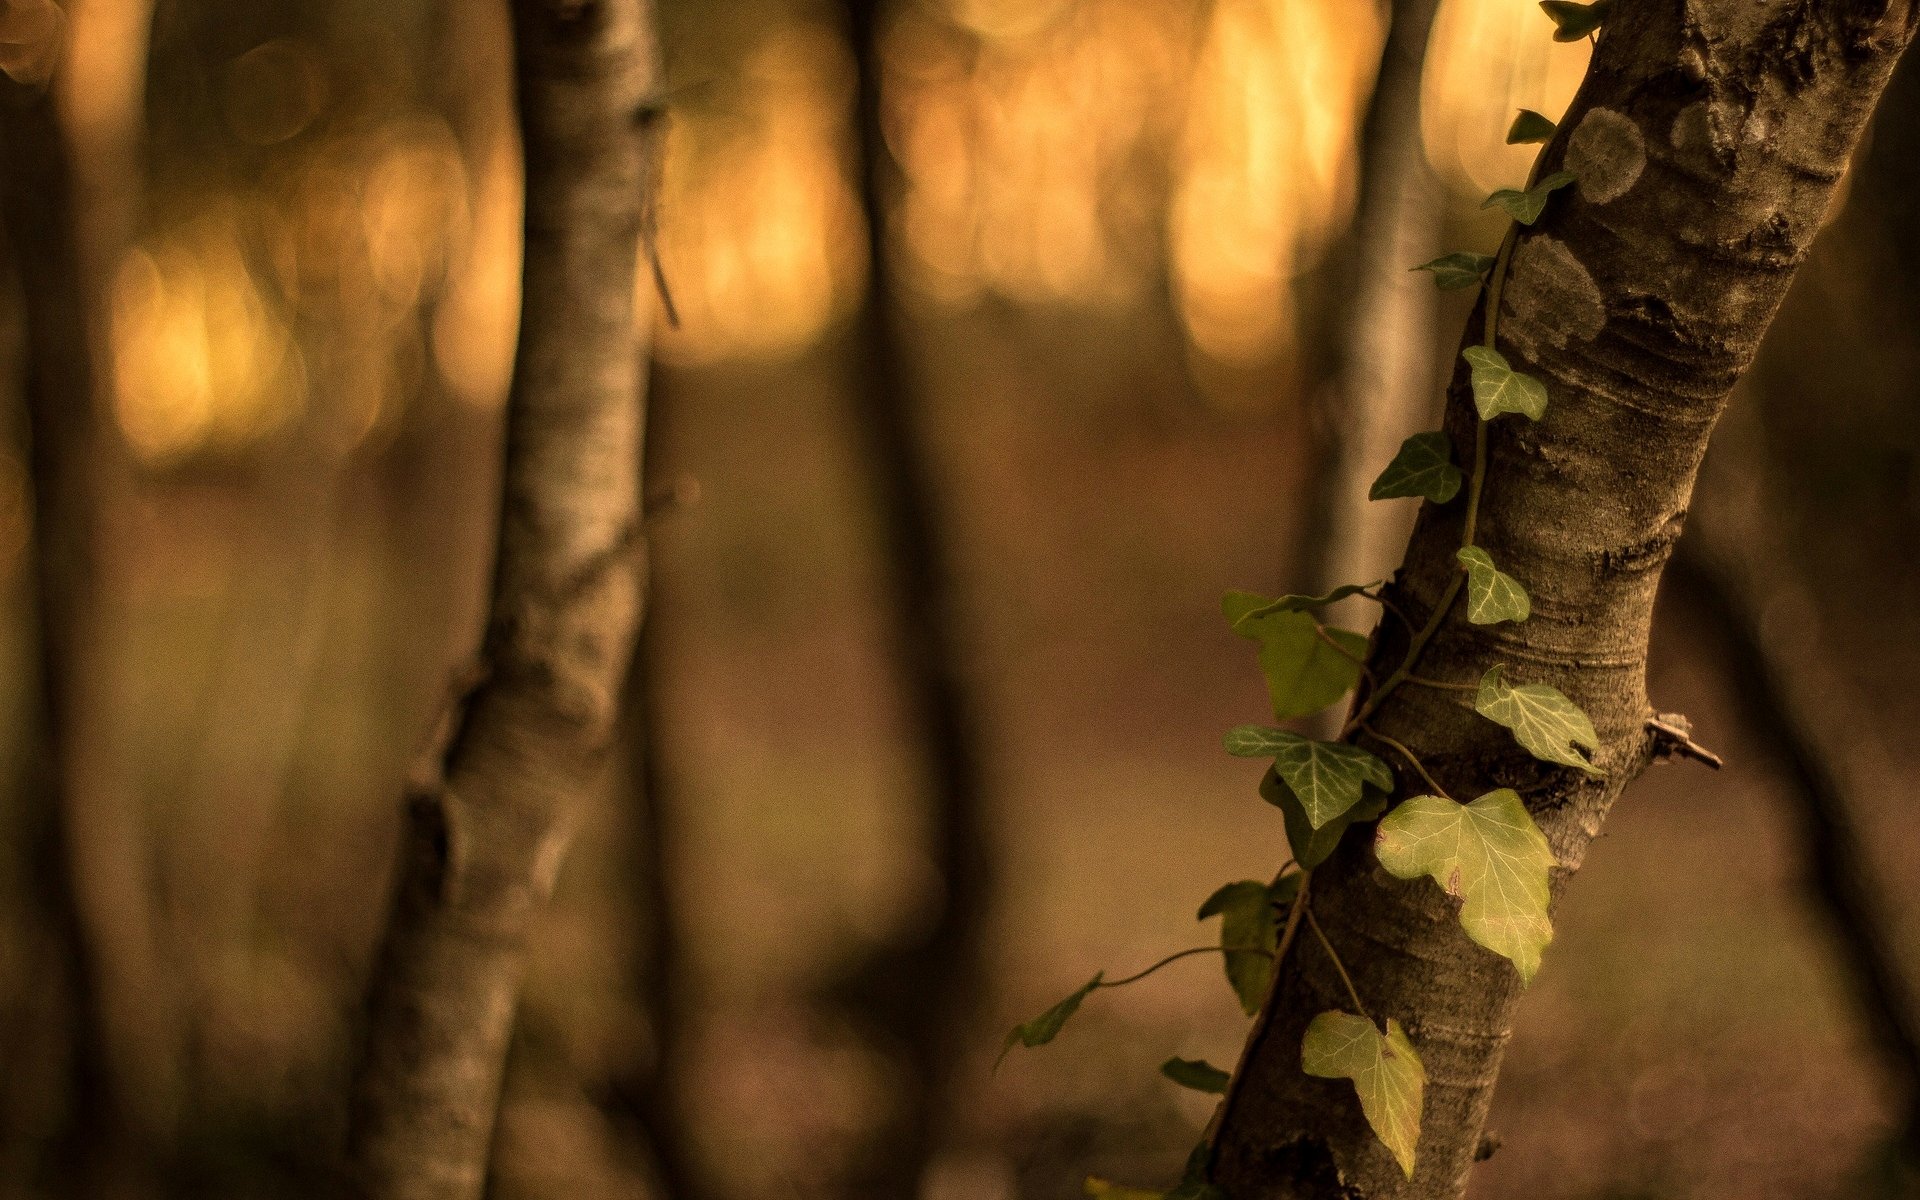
1486, 853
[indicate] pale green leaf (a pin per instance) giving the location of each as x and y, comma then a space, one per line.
1489, 855
1572, 21
1526, 206
1312, 846
1492, 594
1498, 388
1247, 919
1327, 778
1424, 467
1457, 271
1198, 1074
1305, 672
1545, 723
1386, 1072
1045, 1027
1236, 605
1530, 127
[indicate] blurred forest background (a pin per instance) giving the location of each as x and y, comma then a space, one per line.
1116, 255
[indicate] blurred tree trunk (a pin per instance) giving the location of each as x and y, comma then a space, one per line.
648, 1103
485, 840
914, 996
1733, 566
1715, 134
1379, 393
107, 1009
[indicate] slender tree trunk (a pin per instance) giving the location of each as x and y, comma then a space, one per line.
86, 854
1708, 137
918, 994
1378, 394
485, 841
649, 1103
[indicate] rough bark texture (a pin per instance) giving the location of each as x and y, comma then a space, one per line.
915, 995
485, 841
1709, 137
1378, 394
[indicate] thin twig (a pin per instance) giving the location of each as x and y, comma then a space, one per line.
1352, 992
1409, 755
1177, 956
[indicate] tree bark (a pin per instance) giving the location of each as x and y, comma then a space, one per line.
915, 995
1708, 137
484, 842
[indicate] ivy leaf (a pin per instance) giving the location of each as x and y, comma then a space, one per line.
1457, 271
1045, 1027
1327, 778
1529, 127
1312, 846
1198, 1074
1296, 603
1545, 723
1488, 854
1493, 595
1526, 207
1572, 21
1247, 919
1304, 671
1498, 388
1424, 467
1386, 1072
1102, 1189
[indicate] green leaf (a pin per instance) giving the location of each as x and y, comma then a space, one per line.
1488, 854
1529, 127
1386, 1072
1312, 846
1198, 1074
1045, 1027
1304, 671
1457, 271
1248, 920
1572, 21
1424, 467
1526, 207
1545, 723
1237, 606
1498, 388
1296, 603
1493, 595
1327, 778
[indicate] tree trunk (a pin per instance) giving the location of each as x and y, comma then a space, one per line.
484, 842
83, 837
1378, 394
1708, 138
916, 995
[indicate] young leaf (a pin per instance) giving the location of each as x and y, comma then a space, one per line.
1492, 594
1572, 21
1198, 1074
1311, 846
1102, 1189
1545, 723
1232, 895
1327, 778
1386, 1072
1530, 127
1304, 671
1248, 920
1498, 388
1045, 1027
1457, 271
1488, 854
1296, 603
1526, 207
1238, 605
1424, 467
